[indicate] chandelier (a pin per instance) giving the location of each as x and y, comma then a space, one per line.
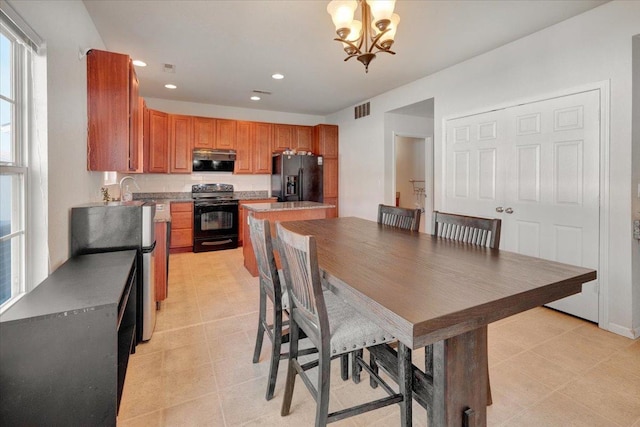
373, 34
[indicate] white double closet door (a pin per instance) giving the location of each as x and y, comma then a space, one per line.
536, 167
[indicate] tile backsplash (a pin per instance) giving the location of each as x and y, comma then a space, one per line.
163, 183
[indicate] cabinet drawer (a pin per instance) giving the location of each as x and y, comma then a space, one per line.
181, 220
181, 207
181, 238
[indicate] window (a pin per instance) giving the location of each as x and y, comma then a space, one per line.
16, 101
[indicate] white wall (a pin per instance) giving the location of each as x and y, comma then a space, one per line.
66, 27
590, 48
635, 180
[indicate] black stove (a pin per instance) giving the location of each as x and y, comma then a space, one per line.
212, 192
215, 217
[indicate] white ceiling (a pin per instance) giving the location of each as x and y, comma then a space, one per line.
223, 50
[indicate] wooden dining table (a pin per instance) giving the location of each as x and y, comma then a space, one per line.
428, 290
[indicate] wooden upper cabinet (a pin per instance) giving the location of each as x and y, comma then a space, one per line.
156, 142
244, 143
303, 138
282, 137
225, 134
262, 148
325, 140
111, 89
135, 131
180, 143
204, 132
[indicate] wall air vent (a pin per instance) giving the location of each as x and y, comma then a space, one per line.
168, 68
362, 110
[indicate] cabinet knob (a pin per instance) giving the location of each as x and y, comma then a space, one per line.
509, 210
499, 209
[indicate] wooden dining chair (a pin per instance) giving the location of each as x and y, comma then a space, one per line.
407, 219
334, 327
469, 229
271, 287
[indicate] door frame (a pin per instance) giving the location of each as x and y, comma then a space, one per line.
430, 191
604, 88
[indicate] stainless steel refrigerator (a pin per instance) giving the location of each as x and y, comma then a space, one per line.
296, 178
115, 226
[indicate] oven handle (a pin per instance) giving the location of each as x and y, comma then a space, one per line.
204, 204
222, 242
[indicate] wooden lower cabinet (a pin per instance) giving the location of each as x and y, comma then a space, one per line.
242, 223
181, 227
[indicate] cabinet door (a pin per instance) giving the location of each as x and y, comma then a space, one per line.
326, 140
108, 111
282, 137
180, 142
204, 132
304, 138
156, 155
225, 134
330, 177
262, 148
244, 155
135, 161
181, 225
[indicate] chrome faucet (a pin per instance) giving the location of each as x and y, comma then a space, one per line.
122, 181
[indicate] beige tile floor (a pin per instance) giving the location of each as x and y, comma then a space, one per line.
547, 368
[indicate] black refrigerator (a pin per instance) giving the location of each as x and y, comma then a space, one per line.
296, 178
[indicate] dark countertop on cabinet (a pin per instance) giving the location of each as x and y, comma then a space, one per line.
83, 283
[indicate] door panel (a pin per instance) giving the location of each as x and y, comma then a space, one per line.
539, 162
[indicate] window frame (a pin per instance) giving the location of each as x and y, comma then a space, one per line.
21, 100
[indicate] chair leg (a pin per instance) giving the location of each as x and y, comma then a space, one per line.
344, 367
291, 371
261, 320
355, 368
405, 381
324, 381
275, 352
374, 367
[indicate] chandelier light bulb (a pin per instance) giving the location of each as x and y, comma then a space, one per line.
381, 9
341, 12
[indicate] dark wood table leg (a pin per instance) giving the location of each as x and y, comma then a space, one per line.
405, 381
460, 381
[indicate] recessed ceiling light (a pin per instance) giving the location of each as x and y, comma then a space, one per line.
139, 63
277, 76
255, 98
170, 86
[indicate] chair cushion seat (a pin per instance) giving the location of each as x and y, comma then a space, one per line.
349, 329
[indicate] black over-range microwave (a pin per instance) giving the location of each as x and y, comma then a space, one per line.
205, 160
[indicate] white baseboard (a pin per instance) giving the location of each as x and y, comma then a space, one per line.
624, 331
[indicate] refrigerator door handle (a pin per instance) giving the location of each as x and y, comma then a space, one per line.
300, 184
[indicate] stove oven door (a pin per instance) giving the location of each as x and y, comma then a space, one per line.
215, 226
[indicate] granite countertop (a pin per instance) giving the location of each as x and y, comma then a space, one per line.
286, 206
164, 199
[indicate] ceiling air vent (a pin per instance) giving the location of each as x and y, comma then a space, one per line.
168, 68
362, 110
262, 92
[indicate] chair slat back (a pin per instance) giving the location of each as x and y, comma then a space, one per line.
407, 219
260, 232
468, 229
299, 259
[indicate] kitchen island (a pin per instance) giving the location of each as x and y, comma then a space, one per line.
282, 211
